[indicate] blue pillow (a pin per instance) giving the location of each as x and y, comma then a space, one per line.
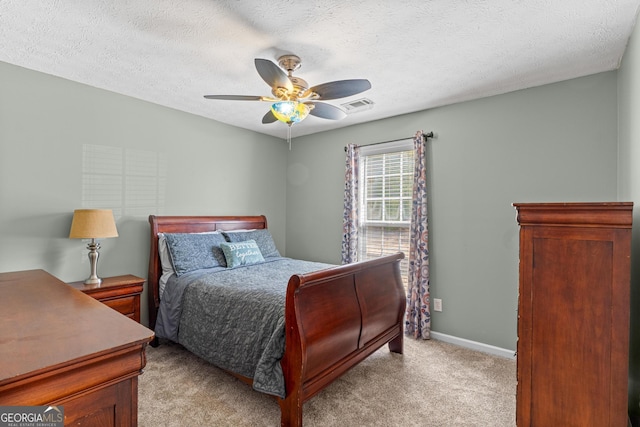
241, 253
195, 251
262, 237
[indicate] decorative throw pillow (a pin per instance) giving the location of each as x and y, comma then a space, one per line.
241, 253
262, 237
195, 251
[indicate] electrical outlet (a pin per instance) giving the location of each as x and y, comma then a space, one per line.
437, 304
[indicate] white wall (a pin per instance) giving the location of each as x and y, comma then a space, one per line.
551, 143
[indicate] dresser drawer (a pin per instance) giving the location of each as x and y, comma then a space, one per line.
125, 305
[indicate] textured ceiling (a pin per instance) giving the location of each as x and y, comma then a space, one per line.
418, 54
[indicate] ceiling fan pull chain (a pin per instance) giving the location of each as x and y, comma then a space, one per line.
289, 135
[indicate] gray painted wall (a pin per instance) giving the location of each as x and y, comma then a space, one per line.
45, 122
629, 189
550, 143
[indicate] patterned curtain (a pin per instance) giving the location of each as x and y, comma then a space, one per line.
350, 215
418, 315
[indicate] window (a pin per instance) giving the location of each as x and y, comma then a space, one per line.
386, 179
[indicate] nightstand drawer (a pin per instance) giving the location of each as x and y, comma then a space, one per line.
121, 293
125, 305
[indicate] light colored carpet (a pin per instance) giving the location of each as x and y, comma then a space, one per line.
432, 384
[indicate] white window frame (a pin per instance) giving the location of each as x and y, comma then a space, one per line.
370, 150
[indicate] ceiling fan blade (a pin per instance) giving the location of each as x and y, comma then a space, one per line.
273, 75
268, 118
340, 88
327, 111
235, 97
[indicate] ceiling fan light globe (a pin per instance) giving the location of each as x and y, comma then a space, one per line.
290, 111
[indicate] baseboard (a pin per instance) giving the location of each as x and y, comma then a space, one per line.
474, 345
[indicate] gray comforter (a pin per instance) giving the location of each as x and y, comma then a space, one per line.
233, 318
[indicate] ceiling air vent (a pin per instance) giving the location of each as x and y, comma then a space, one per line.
358, 105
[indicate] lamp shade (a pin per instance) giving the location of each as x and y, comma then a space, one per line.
93, 224
290, 111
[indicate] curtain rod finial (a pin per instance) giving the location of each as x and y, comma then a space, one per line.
429, 135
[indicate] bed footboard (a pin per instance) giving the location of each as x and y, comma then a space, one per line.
335, 318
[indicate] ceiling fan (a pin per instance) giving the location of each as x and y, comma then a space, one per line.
293, 100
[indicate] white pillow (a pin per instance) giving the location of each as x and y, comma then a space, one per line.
165, 262
163, 251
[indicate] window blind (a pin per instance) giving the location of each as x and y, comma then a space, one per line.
385, 202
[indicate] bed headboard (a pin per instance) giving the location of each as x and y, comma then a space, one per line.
186, 224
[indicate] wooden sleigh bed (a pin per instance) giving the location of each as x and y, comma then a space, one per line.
334, 318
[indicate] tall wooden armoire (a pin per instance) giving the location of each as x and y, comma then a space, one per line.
573, 314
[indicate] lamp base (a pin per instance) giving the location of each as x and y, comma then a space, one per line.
93, 281
93, 261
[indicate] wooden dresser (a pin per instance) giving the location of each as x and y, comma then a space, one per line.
61, 347
573, 314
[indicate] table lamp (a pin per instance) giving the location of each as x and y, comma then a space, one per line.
93, 224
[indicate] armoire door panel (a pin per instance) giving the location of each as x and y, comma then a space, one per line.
566, 325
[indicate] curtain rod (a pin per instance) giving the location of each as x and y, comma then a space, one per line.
424, 136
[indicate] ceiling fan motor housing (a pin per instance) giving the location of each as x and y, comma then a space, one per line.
299, 86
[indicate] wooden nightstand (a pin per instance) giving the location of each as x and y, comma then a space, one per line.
122, 293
